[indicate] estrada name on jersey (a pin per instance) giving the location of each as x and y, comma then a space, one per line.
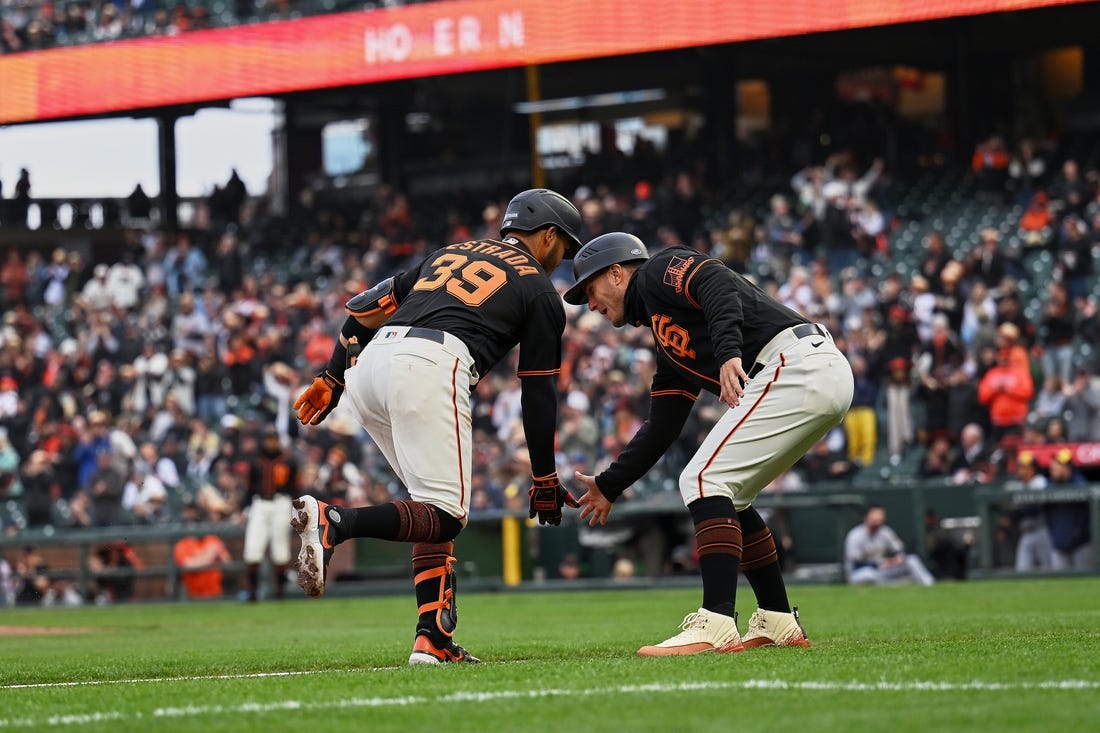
490, 294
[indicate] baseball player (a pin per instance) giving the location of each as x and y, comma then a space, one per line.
785, 383
427, 335
272, 479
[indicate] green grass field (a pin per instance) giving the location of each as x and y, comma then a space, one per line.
992, 655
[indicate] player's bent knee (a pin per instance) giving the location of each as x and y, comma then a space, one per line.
449, 526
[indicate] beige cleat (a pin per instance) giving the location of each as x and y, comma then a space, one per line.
703, 631
772, 628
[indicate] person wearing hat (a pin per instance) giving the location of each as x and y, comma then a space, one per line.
1068, 522
784, 383
1034, 550
410, 352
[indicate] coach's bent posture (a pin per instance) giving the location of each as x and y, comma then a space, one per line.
786, 384
426, 335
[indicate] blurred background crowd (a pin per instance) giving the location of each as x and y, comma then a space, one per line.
34, 25
964, 299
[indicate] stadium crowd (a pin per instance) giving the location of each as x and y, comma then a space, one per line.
34, 25
130, 389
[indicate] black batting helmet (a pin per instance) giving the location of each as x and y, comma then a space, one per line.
613, 248
541, 207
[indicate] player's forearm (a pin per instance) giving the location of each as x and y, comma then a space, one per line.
667, 416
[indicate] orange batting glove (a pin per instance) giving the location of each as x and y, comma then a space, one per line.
319, 398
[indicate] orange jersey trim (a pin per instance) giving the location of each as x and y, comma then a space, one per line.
667, 392
539, 373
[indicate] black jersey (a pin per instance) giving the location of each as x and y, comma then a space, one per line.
702, 314
492, 295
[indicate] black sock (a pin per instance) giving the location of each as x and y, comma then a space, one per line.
380, 522
762, 563
718, 538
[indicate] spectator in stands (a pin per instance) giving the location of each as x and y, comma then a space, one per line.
988, 261
978, 311
105, 487
934, 258
875, 555
578, 432
1050, 400
1070, 189
40, 489
1007, 390
200, 557
1082, 405
19, 206
940, 371
145, 497
138, 205
990, 167
861, 422
184, 267
1068, 522
937, 460
825, 462
1035, 223
975, 462
784, 237
1074, 255
1026, 170
1058, 332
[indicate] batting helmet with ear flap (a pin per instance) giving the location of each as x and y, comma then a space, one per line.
541, 207
613, 248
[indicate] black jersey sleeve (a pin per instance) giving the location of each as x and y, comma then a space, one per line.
540, 342
670, 404
539, 401
713, 289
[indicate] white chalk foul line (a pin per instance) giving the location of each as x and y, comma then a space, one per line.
195, 678
489, 696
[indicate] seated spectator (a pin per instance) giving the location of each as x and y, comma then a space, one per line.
1035, 223
199, 557
937, 459
875, 555
974, 463
825, 463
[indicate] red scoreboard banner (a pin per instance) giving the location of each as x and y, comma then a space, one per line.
417, 40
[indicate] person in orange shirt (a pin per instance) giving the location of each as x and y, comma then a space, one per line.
206, 552
1007, 390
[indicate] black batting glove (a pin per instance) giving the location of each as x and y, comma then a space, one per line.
548, 496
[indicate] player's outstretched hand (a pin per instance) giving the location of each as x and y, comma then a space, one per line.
548, 496
593, 503
319, 398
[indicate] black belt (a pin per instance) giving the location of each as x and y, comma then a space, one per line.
801, 331
426, 333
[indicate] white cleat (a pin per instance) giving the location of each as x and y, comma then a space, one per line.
703, 631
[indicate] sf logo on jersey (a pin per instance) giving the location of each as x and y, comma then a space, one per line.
671, 337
